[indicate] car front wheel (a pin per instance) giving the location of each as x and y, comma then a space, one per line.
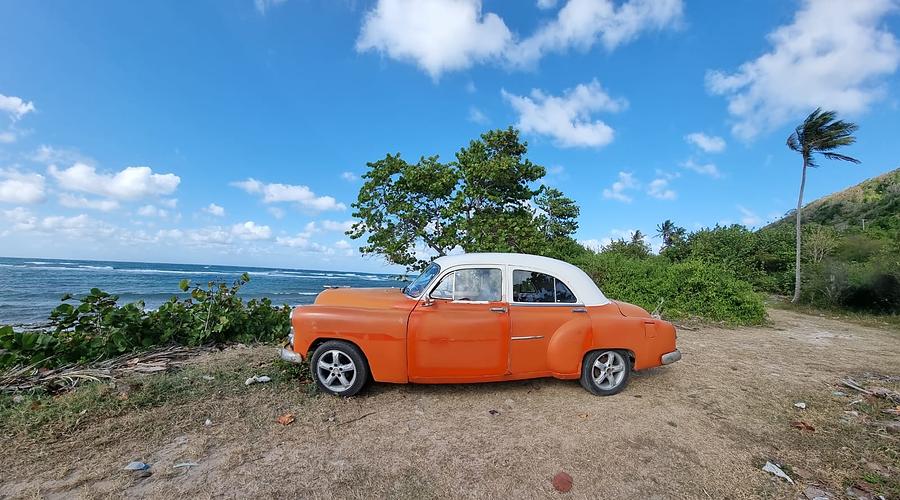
339, 368
605, 373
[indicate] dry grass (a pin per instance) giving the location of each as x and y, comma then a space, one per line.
701, 428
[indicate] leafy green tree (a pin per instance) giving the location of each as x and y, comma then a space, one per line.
488, 199
821, 133
403, 203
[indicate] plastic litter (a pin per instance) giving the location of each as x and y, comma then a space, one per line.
208, 422
776, 470
185, 464
137, 466
257, 379
800, 405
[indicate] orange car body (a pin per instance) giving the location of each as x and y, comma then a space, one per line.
426, 340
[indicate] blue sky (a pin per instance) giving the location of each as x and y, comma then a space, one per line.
235, 131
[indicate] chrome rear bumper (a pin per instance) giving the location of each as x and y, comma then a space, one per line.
671, 357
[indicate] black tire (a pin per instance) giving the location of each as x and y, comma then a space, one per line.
332, 383
607, 386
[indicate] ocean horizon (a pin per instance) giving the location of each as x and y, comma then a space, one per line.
31, 287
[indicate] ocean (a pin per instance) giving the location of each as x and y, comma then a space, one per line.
31, 288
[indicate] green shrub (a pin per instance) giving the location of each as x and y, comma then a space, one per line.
687, 289
96, 327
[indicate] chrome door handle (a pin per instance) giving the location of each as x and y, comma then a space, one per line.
579, 310
498, 309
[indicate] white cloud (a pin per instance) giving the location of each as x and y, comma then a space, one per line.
436, 35
251, 231
276, 212
596, 245
20, 218
707, 143
349, 176
567, 118
130, 183
302, 195
49, 155
214, 210
329, 225
582, 23
21, 187
103, 205
263, 6
618, 190
476, 116
152, 211
709, 169
834, 54
15, 107
7, 137
302, 242
748, 217
546, 4
342, 245
659, 189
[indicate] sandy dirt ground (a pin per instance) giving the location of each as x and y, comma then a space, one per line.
701, 428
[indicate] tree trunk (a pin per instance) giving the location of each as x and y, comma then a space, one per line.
797, 214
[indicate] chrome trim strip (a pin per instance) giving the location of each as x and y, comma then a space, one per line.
529, 337
546, 304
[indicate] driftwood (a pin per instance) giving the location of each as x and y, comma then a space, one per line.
22, 378
880, 392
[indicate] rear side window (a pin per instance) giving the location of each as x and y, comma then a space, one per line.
476, 285
531, 286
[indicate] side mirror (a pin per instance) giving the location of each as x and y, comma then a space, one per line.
428, 302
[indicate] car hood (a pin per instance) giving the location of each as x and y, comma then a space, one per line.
631, 310
371, 298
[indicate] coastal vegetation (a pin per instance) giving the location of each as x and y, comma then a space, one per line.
491, 198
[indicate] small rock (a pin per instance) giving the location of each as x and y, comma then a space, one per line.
286, 419
493, 412
839, 394
800, 405
137, 466
892, 426
854, 492
207, 377
18, 398
816, 493
143, 473
562, 482
208, 422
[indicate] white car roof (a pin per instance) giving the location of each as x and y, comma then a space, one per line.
577, 280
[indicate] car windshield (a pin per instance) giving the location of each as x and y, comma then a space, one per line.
416, 288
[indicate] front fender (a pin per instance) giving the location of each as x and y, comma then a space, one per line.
379, 333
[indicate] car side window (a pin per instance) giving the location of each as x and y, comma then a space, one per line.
532, 286
476, 285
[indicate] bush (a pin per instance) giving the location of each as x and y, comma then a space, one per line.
688, 289
96, 327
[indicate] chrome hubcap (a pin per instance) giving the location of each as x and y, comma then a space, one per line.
609, 370
336, 370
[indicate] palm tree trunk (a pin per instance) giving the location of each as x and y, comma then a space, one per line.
797, 214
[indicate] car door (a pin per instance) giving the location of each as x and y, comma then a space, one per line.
460, 329
540, 304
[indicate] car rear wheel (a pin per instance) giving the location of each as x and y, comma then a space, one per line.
339, 368
605, 373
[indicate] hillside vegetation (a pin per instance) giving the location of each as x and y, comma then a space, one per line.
871, 204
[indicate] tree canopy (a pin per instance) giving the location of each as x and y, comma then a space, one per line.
489, 198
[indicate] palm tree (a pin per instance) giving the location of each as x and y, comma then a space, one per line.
820, 133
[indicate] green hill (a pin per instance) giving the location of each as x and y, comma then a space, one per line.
873, 203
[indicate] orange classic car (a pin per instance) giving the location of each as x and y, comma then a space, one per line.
480, 317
